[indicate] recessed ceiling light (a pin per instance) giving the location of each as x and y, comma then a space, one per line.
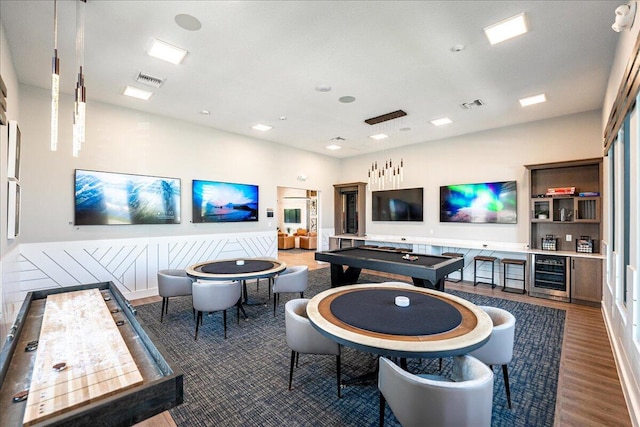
261, 127
323, 88
333, 147
167, 52
188, 22
205, 112
531, 100
134, 92
506, 29
346, 99
379, 136
441, 122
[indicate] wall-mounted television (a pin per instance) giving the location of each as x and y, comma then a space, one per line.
489, 202
103, 198
397, 205
293, 216
215, 201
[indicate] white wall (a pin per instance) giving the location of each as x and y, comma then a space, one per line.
127, 141
494, 155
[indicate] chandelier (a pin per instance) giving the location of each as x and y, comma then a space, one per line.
387, 176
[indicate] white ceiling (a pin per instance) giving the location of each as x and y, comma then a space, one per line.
255, 61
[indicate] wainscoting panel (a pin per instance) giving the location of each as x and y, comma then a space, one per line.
131, 264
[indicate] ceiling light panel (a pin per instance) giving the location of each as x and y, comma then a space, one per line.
262, 127
441, 122
379, 136
532, 100
506, 29
167, 52
134, 92
333, 147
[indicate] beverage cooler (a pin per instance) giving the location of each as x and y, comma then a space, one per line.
550, 277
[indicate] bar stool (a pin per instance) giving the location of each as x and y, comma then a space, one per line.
461, 270
506, 262
482, 259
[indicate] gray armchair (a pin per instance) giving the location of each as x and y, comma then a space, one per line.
292, 279
215, 296
499, 349
465, 399
172, 283
302, 337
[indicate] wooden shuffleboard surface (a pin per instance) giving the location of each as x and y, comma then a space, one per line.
79, 331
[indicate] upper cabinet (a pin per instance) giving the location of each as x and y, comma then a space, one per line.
572, 214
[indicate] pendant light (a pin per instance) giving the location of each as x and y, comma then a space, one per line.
55, 81
79, 107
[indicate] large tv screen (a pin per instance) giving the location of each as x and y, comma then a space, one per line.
397, 205
489, 202
215, 201
103, 198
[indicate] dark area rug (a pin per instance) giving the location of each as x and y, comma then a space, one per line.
242, 381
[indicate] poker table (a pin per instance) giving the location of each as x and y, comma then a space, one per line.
366, 317
237, 269
425, 270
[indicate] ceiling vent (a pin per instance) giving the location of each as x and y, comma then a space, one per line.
385, 117
149, 80
338, 138
472, 104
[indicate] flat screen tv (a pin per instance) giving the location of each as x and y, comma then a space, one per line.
397, 205
215, 201
292, 216
103, 198
489, 202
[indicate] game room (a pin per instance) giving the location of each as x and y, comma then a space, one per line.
342, 144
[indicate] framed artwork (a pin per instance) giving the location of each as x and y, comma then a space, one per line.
13, 210
13, 154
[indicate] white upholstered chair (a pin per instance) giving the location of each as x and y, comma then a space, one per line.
213, 296
292, 279
499, 349
465, 399
302, 337
172, 283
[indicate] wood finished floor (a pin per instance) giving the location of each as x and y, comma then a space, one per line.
589, 392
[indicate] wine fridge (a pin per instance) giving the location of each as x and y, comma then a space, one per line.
550, 277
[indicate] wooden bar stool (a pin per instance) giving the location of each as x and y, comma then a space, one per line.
506, 262
461, 270
482, 259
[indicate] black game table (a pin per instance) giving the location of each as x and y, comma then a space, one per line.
427, 271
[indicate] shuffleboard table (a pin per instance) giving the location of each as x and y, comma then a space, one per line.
426, 270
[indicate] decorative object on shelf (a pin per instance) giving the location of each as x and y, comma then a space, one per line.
387, 175
584, 245
79, 106
13, 154
55, 81
561, 191
549, 243
565, 214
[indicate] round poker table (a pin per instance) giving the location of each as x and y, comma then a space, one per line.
236, 269
365, 317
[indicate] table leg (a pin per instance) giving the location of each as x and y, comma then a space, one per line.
340, 276
424, 283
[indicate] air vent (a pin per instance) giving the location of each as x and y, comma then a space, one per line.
338, 138
148, 80
385, 117
472, 104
